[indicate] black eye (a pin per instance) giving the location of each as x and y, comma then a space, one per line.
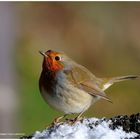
57, 58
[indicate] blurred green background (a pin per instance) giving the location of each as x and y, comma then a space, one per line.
102, 36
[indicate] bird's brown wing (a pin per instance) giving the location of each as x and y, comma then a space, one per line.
84, 79
93, 90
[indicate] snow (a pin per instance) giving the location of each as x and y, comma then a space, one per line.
92, 128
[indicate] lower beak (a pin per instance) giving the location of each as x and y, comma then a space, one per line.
42, 53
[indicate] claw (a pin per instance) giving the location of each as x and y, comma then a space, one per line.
74, 121
57, 121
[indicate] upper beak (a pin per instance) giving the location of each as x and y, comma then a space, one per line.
42, 53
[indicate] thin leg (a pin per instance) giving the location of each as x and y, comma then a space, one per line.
78, 118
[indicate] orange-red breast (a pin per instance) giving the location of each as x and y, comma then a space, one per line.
70, 87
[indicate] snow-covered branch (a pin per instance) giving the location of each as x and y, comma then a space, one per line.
93, 128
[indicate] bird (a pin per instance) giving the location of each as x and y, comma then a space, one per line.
70, 87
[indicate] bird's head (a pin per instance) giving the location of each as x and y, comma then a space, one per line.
54, 61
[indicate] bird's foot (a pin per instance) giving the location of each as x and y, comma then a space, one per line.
75, 120
57, 120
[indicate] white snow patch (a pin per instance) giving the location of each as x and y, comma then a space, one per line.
85, 130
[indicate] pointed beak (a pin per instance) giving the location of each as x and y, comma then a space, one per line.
43, 53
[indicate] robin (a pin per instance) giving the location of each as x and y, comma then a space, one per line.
70, 87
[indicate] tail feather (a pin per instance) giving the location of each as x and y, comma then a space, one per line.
118, 79
123, 78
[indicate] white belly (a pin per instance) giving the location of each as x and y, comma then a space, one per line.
69, 100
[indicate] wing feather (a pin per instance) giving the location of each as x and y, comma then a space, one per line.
94, 90
84, 79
